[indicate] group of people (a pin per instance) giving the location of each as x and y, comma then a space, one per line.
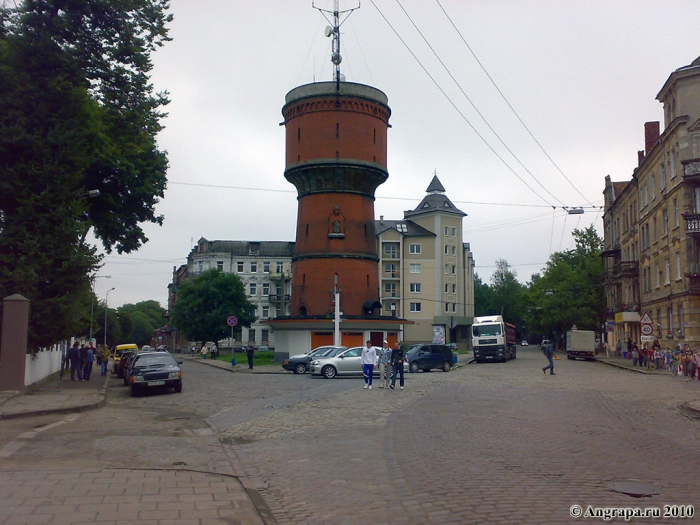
81, 358
390, 363
683, 362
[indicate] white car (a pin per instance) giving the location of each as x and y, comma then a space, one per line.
524, 343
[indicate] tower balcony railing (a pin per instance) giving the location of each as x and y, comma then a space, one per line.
692, 223
280, 276
627, 269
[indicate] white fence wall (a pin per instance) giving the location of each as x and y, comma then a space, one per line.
42, 364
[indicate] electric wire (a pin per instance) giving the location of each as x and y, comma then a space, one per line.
509, 104
456, 108
459, 86
551, 235
563, 229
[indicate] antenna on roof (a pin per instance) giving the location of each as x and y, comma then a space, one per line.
334, 31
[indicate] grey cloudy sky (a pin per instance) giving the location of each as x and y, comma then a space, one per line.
582, 76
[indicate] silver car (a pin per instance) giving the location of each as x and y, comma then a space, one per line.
347, 363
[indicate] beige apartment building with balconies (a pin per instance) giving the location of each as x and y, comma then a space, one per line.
652, 225
426, 272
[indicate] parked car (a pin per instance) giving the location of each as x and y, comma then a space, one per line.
125, 365
299, 364
345, 362
118, 351
123, 359
154, 369
524, 343
428, 357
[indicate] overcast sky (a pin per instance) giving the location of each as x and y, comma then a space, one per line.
582, 76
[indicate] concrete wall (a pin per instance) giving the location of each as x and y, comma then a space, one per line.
291, 342
42, 364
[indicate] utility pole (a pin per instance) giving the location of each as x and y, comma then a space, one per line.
92, 300
106, 300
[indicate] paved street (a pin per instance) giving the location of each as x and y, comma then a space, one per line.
492, 443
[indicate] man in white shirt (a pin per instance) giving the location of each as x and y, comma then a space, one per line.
369, 357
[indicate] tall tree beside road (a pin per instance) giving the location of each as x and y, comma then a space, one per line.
570, 290
504, 296
77, 113
206, 301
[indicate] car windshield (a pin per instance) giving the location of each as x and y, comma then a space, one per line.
486, 330
154, 359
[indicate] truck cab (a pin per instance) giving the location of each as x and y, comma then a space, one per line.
493, 339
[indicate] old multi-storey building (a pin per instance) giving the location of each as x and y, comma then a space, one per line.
263, 266
652, 224
426, 272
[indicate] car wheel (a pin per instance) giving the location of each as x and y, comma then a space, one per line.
413, 368
446, 366
300, 368
329, 372
515, 354
178, 387
134, 391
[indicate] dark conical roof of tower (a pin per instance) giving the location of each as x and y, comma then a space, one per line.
435, 201
435, 185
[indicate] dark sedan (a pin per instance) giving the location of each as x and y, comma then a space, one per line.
154, 369
299, 364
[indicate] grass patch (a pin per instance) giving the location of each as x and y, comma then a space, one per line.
259, 359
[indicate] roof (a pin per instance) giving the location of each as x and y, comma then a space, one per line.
246, 248
435, 201
619, 187
406, 228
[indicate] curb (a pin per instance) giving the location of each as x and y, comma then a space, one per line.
231, 369
621, 367
64, 410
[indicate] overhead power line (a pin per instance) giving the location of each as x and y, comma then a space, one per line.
459, 86
456, 108
510, 106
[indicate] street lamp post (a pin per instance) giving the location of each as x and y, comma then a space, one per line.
106, 299
92, 300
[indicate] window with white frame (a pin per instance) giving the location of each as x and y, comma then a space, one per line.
454, 250
454, 288
253, 288
447, 288
265, 312
454, 232
695, 141
414, 287
414, 307
681, 322
673, 164
414, 268
279, 267
414, 248
657, 281
390, 268
653, 187
266, 288
664, 216
675, 213
454, 269
447, 250
447, 307
390, 289
253, 267
669, 312
239, 266
667, 270
200, 265
454, 307
447, 231
266, 266
220, 265
447, 269
391, 249
662, 176
678, 266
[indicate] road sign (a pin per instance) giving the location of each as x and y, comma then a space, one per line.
646, 319
646, 329
232, 321
647, 338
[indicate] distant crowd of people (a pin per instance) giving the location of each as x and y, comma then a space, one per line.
80, 359
678, 361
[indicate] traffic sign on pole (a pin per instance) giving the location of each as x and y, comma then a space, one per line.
232, 321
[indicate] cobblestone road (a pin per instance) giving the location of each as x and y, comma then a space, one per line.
494, 443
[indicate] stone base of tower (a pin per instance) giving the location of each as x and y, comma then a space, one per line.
298, 335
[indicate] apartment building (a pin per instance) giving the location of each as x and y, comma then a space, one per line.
652, 225
426, 272
265, 267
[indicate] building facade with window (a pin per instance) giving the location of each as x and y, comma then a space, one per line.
426, 272
265, 267
652, 225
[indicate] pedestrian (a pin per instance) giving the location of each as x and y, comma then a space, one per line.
369, 357
642, 355
607, 349
204, 351
213, 353
98, 356
104, 353
635, 357
618, 348
74, 357
397, 359
384, 365
685, 364
89, 360
667, 359
629, 346
83, 357
549, 352
694, 364
674, 365
250, 352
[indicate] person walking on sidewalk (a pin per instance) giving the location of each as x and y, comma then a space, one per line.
369, 357
89, 360
250, 352
384, 365
549, 352
104, 352
74, 358
397, 359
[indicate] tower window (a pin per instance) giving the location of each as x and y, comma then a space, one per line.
307, 230
337, 130
337, 154
375, 135
303, 279
298, 134
367, 279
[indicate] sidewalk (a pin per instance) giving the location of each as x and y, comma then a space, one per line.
621, 362
241, 366
55, 396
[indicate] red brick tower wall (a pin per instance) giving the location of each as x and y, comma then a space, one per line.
336, 158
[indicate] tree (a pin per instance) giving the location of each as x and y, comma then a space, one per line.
482, 297
77, 113
141, 329
206, 301
505, 296
143, 319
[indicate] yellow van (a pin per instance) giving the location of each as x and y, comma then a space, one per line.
118, 351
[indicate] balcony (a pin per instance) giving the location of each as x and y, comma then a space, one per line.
691, 170
692, 223
627, 269
275, 298
280, 276
694, 284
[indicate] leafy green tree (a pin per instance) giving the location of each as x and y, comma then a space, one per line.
77, 113
141, 329
483, 297
505, 296
206, 301
570, 290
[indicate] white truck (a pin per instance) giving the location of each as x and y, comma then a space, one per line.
493, 339
580, 344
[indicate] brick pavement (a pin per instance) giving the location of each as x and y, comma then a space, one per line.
123, 497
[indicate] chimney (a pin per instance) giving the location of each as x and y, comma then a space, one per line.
640, 157
381, 219
651, 135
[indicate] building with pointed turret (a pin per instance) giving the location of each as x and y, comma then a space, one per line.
426, 271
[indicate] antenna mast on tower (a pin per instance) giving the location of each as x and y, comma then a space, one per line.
334, 31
